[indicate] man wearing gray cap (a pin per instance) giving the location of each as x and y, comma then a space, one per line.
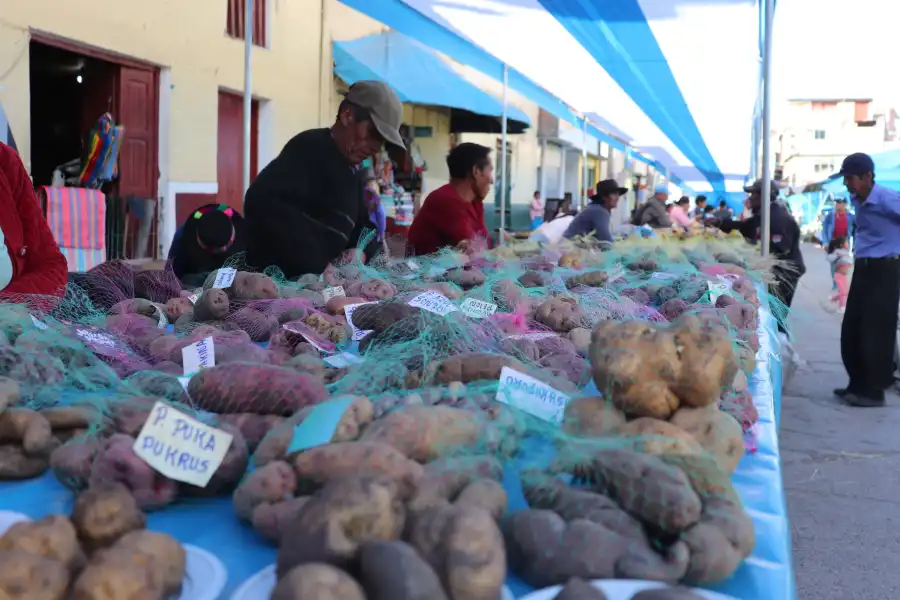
306, 208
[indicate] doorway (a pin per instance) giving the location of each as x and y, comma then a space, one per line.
230, 153
71, 88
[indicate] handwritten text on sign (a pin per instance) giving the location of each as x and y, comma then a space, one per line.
224, 277
181, 447
531, 395
358, 333
716, 289
199, 355
433, 302
478, 309
333, 292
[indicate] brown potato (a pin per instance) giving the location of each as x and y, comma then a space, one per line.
716, 431
52, 537
591, 416
161, 551
659, 437
27, 576
321, 464
29, 428
270, 519
15, 464
317, 582
579, 589
395, 571
117, 576
425, 433
104, 513
272, 483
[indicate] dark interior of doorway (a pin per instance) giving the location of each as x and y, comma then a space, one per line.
69, 92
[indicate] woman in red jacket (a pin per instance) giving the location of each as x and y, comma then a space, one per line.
30, 260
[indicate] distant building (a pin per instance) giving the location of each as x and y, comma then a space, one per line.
819, 133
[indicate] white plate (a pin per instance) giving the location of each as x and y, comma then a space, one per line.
621, 589
204, 576
8, 518
260, 585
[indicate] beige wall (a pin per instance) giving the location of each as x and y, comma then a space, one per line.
188, 38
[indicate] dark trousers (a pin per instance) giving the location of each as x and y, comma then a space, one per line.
869, 330
783, 290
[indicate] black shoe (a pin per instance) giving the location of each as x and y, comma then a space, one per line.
841, 392
863, 401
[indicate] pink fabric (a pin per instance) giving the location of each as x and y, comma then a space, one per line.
843, 285
679, 216
537, 208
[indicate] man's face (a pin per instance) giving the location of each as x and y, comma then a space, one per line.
612, 200
840, 206
362, 139
755, 201
662, 196
858, 184
701, 203
483, 180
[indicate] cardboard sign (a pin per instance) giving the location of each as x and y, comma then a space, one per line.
433, 302
193, 298
224, 277
716, 289
322, 345
333, 292
39, 324
319, 424
413, 265
199, 355
342, 360
358, 333
478, 309
181, 447
531, 395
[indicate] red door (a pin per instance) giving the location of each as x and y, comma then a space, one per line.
231, 148
137, 101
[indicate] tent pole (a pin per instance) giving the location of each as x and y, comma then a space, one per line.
765, 225
584, 166
248, 88
503, 157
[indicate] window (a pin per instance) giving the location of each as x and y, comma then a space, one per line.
820, 134
235, 26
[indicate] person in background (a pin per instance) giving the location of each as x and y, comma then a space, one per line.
784, 241
30, 260
869, 329
708, 212
453, 214
536, 212
595, 218
372, 198
653, 212
723, 212
700, 207
841, 265
208, 238
838, 223
679, 213
306, 208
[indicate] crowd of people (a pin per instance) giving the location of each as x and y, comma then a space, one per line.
311, 204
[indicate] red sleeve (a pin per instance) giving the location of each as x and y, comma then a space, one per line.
46, 272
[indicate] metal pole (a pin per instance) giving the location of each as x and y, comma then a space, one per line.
248, 87
584, 169
503, 156
765, 225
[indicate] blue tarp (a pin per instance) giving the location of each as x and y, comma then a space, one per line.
416, 73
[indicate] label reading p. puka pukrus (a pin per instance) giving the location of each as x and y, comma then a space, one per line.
181, 447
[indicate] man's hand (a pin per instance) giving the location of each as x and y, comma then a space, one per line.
349, 256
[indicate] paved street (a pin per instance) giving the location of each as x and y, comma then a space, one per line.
841, 465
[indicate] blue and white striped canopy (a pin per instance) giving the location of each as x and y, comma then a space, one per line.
677, 79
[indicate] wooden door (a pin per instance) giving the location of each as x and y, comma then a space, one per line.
137, 110
231, 148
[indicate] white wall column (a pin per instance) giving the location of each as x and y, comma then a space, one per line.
562, 172
542, 182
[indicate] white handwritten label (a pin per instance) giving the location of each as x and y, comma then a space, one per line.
193, 298
181, 447
664, 276
342, 360
184, 381
531, 395
358, 333
96, 338
333, 292
413, 265
616, 273
716, 289
310, 336
433, 302
37, 323
478, 309
199, 355
224, 277
537, 335
163, 321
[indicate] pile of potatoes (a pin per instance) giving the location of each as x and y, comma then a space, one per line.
102, 551
579, 589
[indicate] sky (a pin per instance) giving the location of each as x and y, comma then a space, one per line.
835, 48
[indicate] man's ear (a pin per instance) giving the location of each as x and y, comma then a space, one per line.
346, 116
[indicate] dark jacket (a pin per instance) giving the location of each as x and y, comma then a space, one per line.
189, 258
594, 219
653, 213
305, 208
784, 234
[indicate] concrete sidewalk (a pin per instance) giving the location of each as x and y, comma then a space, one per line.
841, 465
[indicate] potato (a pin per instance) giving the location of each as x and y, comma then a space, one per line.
659, 437
581, 338
10, 395
72, 417
28, 576
333, 524
466, 368
116, 461
721, 541
104, 513
270, 520
253, 286
485, 494
321, 464
591, 416
15, 464
52, 537
29, 428
445, 479
254, 388
716, 431
161, 551
561, 314
395, 571
271, 483
117, 577
425, 433
588, 279
212, 305
317, 582
579, 589
668, 593
335, 305
372, 290
465, 548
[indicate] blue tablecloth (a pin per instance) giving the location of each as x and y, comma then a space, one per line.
767, 575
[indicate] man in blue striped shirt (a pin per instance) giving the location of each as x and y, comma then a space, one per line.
868, 333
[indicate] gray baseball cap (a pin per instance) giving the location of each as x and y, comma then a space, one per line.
384, 108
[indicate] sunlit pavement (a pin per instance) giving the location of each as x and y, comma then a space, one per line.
841, 464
